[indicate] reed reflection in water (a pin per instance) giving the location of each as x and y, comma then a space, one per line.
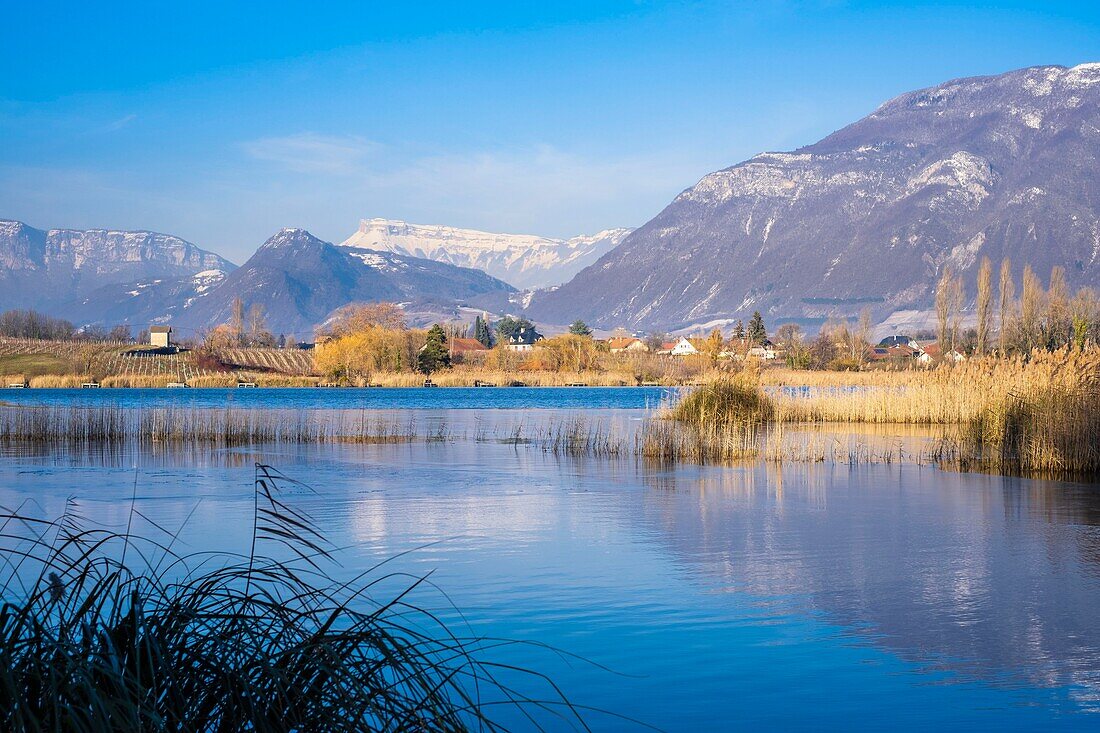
798, 595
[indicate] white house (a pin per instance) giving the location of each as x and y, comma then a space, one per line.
931, 353
683, 347
764, 351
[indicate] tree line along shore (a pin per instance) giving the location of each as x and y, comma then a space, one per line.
364, 345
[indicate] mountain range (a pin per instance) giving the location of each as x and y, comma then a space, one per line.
301, 280
997, 166
523, 260
107, 277
63, 271
868, 217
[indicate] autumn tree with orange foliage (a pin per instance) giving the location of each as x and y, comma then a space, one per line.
363, 339
358, 317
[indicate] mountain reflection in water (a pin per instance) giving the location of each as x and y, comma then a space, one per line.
805, 596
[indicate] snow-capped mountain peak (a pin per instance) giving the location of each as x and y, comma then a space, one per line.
523, 260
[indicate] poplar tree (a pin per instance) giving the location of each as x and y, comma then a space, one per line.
984, 304
1007, 293
944, 299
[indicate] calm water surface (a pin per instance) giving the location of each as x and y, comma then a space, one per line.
812, 597
449, 398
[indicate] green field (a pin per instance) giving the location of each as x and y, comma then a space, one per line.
34, 365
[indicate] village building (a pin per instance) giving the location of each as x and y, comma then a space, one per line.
460, 347
765, 351
897, 352
524, 339
899, 340
745, 348
160, 337
931, 353
618, 344
683, 347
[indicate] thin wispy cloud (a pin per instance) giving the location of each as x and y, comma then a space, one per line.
326, 184
119, 123
309, 152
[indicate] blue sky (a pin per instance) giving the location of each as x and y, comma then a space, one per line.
223, 124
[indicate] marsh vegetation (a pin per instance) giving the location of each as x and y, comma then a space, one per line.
106, 630
1039, 414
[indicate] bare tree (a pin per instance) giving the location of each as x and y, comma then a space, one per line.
984, 304
862, 336
957, 297
236, 321
789, 335
944, 298
1057, 327
257, 322
1007, 293
656, 340
1031, 310
359, 317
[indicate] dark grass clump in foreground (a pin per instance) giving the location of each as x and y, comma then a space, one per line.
104, 631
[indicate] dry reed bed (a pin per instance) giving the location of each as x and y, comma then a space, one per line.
946, 395
231, 426
1034, 415
662, 440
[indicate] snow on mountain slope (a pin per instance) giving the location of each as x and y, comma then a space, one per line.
69, 272
522, 260
1003, 166
300, 280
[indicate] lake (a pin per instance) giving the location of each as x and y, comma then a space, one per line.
802, 597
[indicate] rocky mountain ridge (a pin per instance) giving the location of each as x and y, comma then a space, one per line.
997, 166
57, 269
300, 280
107, 277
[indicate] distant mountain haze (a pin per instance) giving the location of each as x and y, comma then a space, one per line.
523, 260
988, 166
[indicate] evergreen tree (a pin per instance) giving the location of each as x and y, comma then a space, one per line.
580, 328
757, 333
482, 333
434, 355
739, 330
509, 326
